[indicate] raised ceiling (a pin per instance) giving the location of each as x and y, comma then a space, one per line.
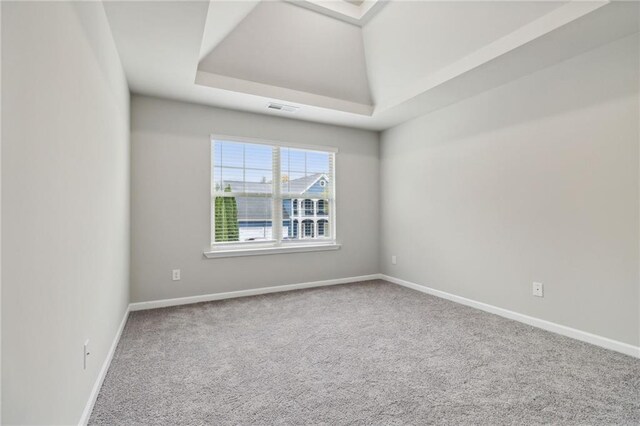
282, 45
369, 64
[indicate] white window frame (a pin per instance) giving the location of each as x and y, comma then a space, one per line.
276, 245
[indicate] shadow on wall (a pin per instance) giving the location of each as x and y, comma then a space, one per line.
550, 92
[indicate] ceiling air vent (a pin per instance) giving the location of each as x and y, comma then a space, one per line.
283, 108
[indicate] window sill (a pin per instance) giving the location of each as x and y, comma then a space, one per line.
256, 251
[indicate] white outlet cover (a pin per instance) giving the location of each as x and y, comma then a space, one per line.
538, 289
394, 260
175, 275
85, 354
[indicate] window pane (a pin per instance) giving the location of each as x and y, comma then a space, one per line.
292, 160
306, 192
229, 154
323, 208
242, 169
225, 219
255, 218
258, 156
318, 162
230, 178
323, 228
259, 176
289, 180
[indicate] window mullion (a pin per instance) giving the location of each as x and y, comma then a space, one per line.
276, 223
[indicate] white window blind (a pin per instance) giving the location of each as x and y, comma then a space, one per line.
271, 194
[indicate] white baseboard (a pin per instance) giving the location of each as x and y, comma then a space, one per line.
243, 293
86, 414
584, 336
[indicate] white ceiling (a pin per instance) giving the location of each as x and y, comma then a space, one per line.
374, 67
436, 34
222, 18
283, 45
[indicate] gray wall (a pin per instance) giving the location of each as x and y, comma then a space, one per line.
171, 213
65, 201
536, 180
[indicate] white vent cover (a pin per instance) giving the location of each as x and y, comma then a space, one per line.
283, 108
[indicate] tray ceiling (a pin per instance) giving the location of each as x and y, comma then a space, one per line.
385, 63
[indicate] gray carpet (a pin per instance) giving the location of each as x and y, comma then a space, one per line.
366, 353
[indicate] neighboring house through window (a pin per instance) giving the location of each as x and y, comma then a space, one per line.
269, 193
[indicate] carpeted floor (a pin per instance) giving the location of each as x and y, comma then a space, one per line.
366, 353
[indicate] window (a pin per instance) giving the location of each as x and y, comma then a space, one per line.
270, 195
322, 227
308, 207
322, 207
307, 226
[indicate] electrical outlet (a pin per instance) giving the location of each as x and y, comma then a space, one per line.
176, 275
394, 260
538, 289
85, 354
